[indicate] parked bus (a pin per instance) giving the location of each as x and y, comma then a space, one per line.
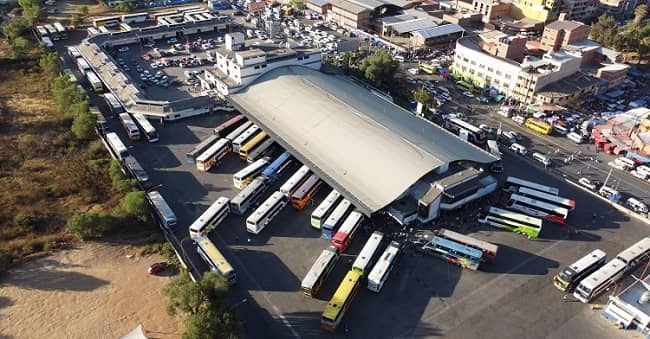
106, 21
539, 126
83, 66
74, 52
596, 282
103, 29
213, 155
210, 219
238, 131
454, 252
135, 17
364, 260
512, 185
250, 144
428, 68
164, 213
113, 104
634, 254
277, 167
54, 35
475, 135
248, 196
149, 131
335, 219
548, 198
292, 184
135, 170
538, 209
319, 271
341, 301
384, 265
346, 232
263, 215
244, 137
217, 262
324, 209
567, 279
305, 192
489, 250
63, 33
42, 32
124, 27
48, 43
242, 178
129, 126
229, 125
94, 81
119, 151
191, 156
266, 148
511, 221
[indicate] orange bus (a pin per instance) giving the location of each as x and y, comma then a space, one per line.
305, 192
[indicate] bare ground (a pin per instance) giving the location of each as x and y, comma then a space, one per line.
92, 291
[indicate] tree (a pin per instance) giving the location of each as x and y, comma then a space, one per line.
297, 5
213, 324
83, 126
83, 10
135, 204
14, 28
192, 298
88, 225
640, 13
32, 11
75, 19
19, 47
605, 31
4, 260
125, 6
49, 63
422, 96
379, 68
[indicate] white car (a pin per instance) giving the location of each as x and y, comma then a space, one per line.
154, 65
468, 94
588, 183
123, 49
172, 40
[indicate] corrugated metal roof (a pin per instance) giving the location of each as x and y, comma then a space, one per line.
439, 31
413, 25
365, 147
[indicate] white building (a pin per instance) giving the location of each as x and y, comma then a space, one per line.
631, 308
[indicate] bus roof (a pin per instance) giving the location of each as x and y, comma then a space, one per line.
639, 248
533, 185
588, 260
457, 247
350, 222
162, 206
338, 212
252, 168
265, 206
550, 197
321, 262
462, 238
248, 190
540, 204
384, 262
239, 130
215, 255
368, 250
306, 187
606, 272
466, 125
212, 150
516, 216
209, 213
335, 306
327, 203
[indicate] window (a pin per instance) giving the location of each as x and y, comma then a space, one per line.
490, 69
498, 72
507, 76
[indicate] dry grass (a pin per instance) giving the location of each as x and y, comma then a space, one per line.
43, 171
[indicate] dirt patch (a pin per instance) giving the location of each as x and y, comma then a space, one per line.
93, 291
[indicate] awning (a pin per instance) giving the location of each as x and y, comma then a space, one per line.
499, 98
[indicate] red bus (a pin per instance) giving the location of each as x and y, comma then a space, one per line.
344, 235
229, 125
305, 192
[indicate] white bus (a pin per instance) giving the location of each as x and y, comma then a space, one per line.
164, 213
511, 221
319, 271
267, 147
567, 279
113, 104
61, 30
119, 151
538, 209
212, 155
238, 131
343, 236
248, 196
94, 81
335, 219
475, 135
54, 35
73, 52
82, 65
293, 182
149, 131
136, 170
191, 156
512, 184
364, 259
384, 265
242, 178
210, 219
549, 198
489, 250
242, 138
595, 283
42, 32
635, 253
263, 215
324, 209
48, 43
129, 126
217, 262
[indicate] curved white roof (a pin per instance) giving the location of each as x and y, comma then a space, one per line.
364, 146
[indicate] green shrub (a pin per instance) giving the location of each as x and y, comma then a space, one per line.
135, 204
89, 225
26, 222
5, 259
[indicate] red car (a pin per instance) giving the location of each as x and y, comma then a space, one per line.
157, 267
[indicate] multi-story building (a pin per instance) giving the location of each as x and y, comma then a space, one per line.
618, 8
641, 135
579, 9
237, 65
561, 33
542, 10
348, 14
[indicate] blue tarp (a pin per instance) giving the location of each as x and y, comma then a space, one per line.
637, 157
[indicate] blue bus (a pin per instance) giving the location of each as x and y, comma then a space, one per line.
277, 168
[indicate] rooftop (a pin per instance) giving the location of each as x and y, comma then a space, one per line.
348, 6
412, 25
570, 85
439, 31
367, 148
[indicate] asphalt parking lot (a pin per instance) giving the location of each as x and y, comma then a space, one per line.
424, 296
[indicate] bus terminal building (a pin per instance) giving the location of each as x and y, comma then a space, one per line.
376, 154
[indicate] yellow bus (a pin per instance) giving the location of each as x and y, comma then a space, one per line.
250, 145
341, 301
539, 126
428, 68
213, 257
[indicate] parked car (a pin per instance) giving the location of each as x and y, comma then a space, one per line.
589, 183
468, 94
123, 49
158, 267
